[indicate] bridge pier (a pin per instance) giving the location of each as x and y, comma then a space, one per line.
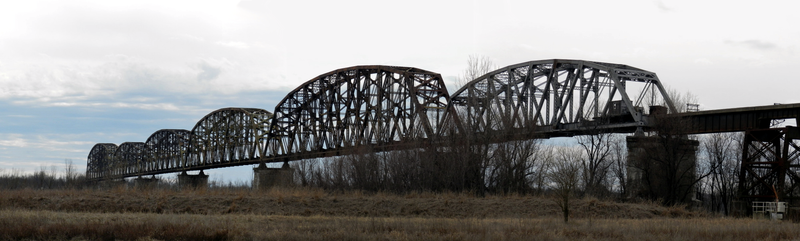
186, 180
769, 168
145, 183
662, 168
265, 178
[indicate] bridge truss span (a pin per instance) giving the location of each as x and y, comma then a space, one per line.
360, 105
99, 160
228, 136
127, 158
166, 149
561, 97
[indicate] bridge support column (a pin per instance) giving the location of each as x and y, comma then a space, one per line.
662, 168
193, 181
770, 168
145, 183
265, 178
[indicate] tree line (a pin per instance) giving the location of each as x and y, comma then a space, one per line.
44, 178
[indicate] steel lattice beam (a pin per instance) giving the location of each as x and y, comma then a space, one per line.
99, 160
387, 107
361, 105
559, 97
770, 166
390, 108
166, 149
228, 136
127, 159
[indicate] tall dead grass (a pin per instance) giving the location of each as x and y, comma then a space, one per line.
311, 202
48, 225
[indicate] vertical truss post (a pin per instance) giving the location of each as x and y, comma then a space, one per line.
769, 168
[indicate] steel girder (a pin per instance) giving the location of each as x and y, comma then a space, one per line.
361, 105
559, 97
227, 136
166, 149
127, 159
97, 165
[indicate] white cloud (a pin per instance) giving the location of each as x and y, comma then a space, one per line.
13, 140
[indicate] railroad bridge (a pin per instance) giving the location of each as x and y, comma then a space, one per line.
392, 108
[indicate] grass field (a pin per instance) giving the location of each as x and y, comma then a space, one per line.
120, 214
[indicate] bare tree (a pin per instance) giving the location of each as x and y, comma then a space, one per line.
404, 171
304, 171
365, 169
542, 169
596, 163
70, 176
512, 164
721, 152
469, 152
619, 165
565, 176
477, 66
682, 101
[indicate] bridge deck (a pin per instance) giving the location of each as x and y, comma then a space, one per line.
739, 119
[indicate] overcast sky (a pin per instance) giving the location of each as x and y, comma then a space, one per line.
76, 73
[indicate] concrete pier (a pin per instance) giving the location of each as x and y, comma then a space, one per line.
265, 178
186, 180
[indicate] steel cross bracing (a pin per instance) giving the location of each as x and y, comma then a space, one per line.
225, 137
770, 166
390, 108
99, 160
166, 149
228, 136
363, 105
385, 107
560, 97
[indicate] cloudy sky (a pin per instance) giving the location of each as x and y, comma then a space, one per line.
75, 73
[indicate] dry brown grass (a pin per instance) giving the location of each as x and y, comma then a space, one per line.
48, 225
309, 214
311, 202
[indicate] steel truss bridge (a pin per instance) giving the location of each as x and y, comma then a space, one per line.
392, 108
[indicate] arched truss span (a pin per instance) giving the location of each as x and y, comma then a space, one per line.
360, 105
166, 149
99, 160
128, 158
229, 135
558, 96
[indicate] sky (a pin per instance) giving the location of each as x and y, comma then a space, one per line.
77, 73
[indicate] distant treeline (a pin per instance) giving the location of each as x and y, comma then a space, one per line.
44, 178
